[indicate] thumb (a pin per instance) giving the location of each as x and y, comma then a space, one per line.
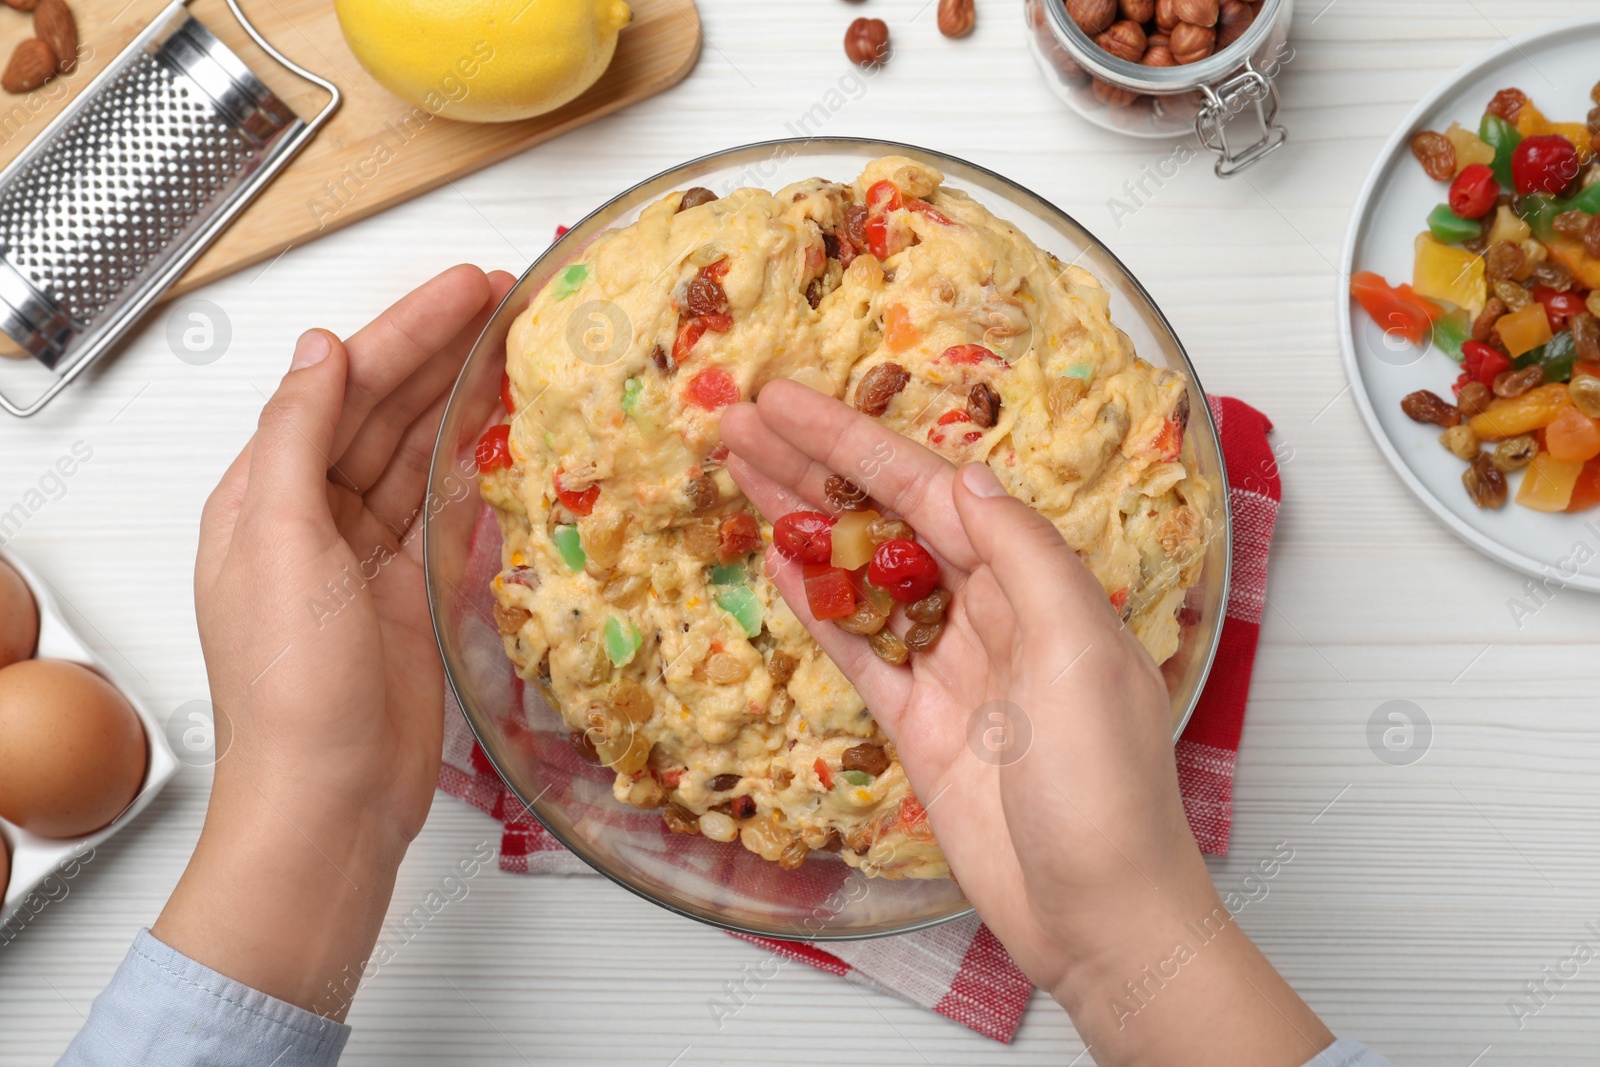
290, 454
1049, 588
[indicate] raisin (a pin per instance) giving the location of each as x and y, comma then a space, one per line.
706, 297
658, 356
1477, 244
1503, 260
1513, 383
1485, 485
1487, 318
864, 621
888, 647
879, 386
843, 494
722, 783
923, 636
1591, 235
871, 759
1586, 337
742, 807
695, 197
830, 246
931, 608
1553, 275
509, 618
680, 820
1473, 399
1436, 154
583, 746
793, 855
781, 667
1514, 453
1425, 407
814, 293
880, 530
1514, 296
1594, 120
1507, 104
1461, 442
983, 405
702, 493
855, 223
1572, 223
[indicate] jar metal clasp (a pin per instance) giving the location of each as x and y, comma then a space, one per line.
1251, 89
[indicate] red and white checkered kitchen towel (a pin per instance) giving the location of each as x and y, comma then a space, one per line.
960, 969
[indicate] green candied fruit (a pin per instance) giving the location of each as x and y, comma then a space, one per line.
740, 602
856, 777
729, 574
570, 280
630, 394
570, 545
622, 641
1079, 370
1450, 228
1451, 332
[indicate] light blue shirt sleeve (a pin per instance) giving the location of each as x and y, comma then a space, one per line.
1347, 1054
165, 1010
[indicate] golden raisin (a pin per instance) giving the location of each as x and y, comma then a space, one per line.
1436, 154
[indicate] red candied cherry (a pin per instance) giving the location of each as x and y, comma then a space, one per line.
712, 389
905, 569
494, 449
1544, 163
579, 502
804, 535
1473, 193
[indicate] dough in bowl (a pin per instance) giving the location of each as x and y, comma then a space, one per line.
632, 591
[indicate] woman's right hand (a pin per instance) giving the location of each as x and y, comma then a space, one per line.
1069, 836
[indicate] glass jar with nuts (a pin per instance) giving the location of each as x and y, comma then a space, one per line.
1159, 68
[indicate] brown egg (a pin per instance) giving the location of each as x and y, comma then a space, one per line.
19, 617
72, 750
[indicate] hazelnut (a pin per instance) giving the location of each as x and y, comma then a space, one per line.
1124, 39
866, 42
1093, 16
1196, 12
1157, 40
1114, 95
1140, 11
1166, 16
1158, 56
1191, 43
1233, 18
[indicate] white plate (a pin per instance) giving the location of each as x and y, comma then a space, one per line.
42, 868
1556, 67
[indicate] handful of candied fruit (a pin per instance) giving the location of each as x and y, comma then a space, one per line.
1506, 283
858, 565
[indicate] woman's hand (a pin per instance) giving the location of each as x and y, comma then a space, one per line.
324, 673
1038, 735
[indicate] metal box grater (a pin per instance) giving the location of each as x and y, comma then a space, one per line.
115, 199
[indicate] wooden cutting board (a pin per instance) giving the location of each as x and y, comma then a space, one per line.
377, 150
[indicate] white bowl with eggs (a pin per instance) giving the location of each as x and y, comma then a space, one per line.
34, 868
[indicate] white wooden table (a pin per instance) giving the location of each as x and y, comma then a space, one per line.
1420, 898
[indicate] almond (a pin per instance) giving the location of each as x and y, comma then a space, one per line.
22, 5
32, 64
54, 25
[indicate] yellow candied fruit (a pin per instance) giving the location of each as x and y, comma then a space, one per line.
1508, 227
1533, 410
1548, 482
1531, 121
1444, 272
1469, 148
1523, 331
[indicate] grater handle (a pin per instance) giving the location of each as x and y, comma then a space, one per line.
316, 79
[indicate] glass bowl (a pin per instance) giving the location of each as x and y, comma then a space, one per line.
526, 740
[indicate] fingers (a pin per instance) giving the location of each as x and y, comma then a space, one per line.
219, 515
402, 360
396, 497
1051, 592
294, 437
898, 472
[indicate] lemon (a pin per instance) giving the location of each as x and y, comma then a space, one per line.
484, 60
